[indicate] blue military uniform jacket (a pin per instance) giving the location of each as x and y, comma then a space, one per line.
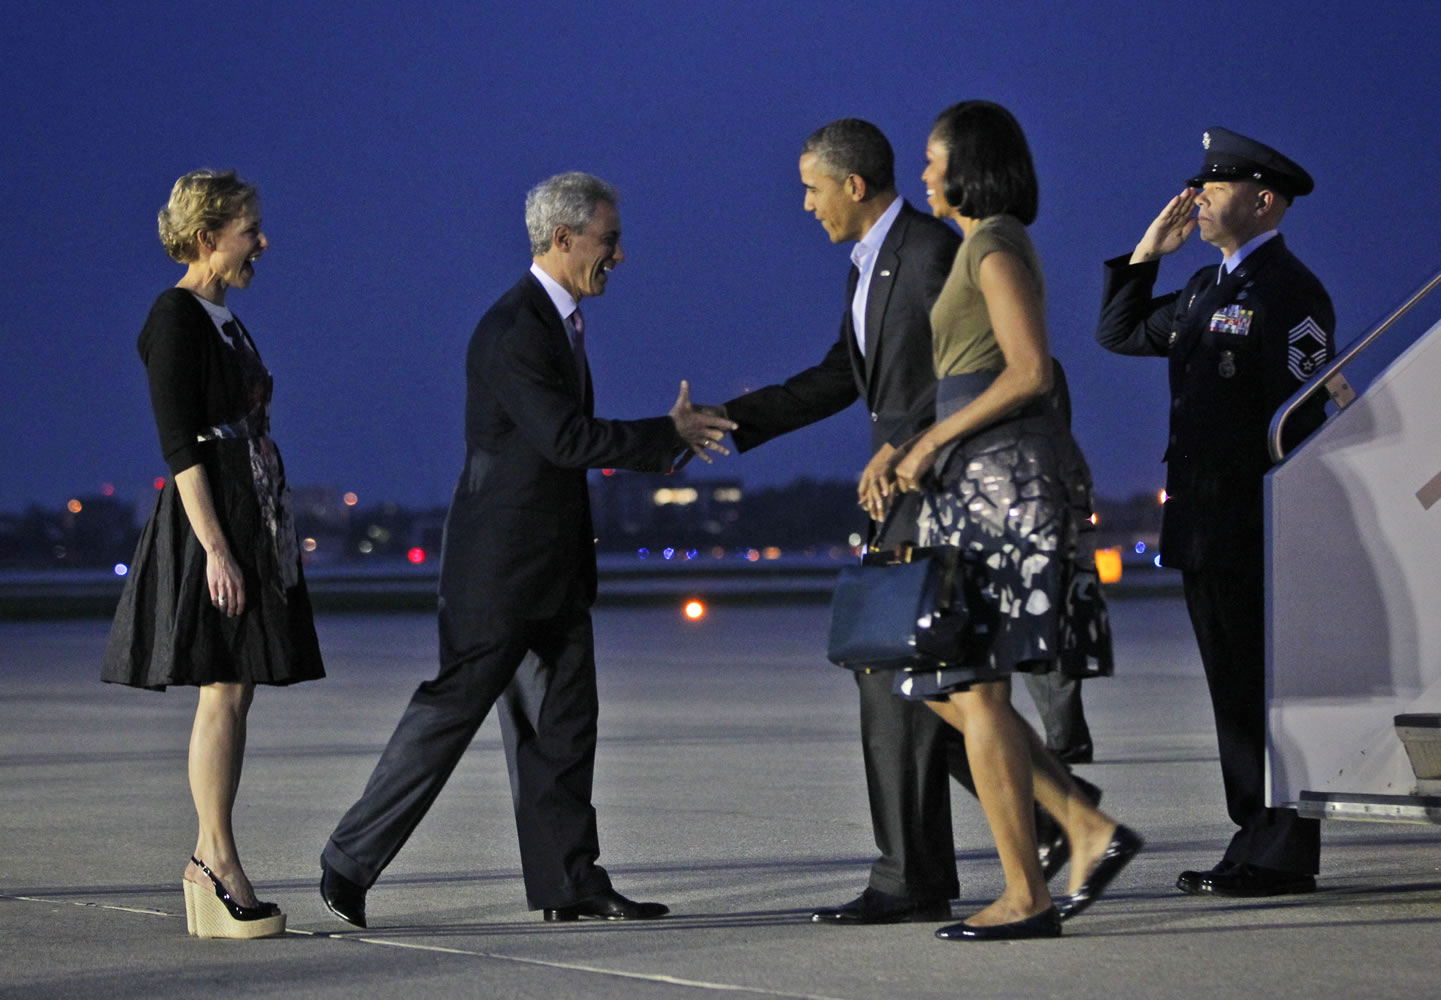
1237, 350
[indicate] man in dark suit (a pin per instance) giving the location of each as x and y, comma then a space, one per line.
1240, 340
518, 574
882, 356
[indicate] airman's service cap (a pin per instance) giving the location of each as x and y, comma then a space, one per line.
1232, 157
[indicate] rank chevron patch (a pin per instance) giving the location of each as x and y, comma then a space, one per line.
1306, 350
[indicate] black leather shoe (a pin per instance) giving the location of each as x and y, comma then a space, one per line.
1052, 847
1046, 924
876, 907
342, 897
1190, 881
1246, 881
607, 905
1124, 844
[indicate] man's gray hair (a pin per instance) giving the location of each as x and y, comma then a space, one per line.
567, 199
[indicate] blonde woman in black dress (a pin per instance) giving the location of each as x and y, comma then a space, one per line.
1008, 487
215, 598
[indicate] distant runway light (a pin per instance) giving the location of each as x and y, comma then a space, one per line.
416, 555
694, 610
351, 499
74, 506
1140, 547
1157, 561
121, 569
668, 552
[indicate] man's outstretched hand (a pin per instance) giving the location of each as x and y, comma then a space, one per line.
703, 428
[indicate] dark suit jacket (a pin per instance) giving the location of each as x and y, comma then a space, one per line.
518, 539
1237, 350
897, 376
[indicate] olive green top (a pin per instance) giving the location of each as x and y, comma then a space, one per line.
960, 325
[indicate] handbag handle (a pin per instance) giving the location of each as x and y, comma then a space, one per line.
928, 498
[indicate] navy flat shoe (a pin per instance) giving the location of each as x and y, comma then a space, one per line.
1124, 845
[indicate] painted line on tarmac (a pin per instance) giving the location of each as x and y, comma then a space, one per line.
699, 984
97, 906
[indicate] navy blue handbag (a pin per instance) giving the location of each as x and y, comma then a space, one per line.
901, 608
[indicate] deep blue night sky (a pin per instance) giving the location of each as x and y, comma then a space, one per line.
393, 145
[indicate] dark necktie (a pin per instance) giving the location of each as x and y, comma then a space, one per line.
577, 322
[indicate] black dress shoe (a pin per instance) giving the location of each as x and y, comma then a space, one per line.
342, 897
876, 907
1124, 844
1246, 881
1190, 881
1046, 924
607, 905
1052, 847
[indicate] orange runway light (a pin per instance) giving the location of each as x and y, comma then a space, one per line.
1108, 564
694, 610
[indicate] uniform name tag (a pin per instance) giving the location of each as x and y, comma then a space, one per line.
1234, 320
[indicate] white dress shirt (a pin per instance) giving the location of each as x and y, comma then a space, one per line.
863, 256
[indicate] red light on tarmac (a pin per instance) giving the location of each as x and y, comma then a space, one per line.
159, 482
416, 555
694, 610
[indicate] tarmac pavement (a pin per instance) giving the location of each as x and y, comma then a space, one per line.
729, 785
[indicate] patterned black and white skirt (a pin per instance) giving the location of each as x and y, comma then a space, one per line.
1015, 499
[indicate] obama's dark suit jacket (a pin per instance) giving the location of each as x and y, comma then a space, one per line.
904, 743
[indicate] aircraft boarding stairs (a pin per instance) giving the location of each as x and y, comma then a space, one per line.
1353, 560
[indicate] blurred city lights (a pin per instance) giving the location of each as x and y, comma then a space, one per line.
643, 553
1108, 564
366, 547
1163, 496
694, 610
668, 552
107, 489
308, 544
121, 569
690, 553
771, 552
854, 540
1157, 561
1140, 547
752, 555
416, 555
74, 506
726, 494
681, 496
159, 482
1095, 519
350, 499
607, 472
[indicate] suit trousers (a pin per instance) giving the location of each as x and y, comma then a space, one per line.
551, 757
1227, 609
906, 748
1063, 717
